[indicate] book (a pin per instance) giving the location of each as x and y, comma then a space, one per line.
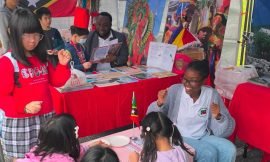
100, 53
126, 79
149, 69
105, 83
77, 88
164, 74
142, 75
128, 70
262, 80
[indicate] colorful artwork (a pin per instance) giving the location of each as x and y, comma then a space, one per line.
142, 18
205, 19
256, 36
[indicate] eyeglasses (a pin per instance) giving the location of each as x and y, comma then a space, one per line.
35, 36
191, 82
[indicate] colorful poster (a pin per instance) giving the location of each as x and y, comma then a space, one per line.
205, 19
59, 8
142, 22
257, 37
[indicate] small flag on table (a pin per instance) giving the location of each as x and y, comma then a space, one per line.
134, 111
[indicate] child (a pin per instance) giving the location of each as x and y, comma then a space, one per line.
57, 141
24, 90
52, 35
101, 154
162, 141
75, 47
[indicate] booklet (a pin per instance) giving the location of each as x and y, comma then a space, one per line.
105, 83
101, 52
161, 55
142, 76
126, 79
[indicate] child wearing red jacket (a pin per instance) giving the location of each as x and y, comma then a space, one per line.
24, 85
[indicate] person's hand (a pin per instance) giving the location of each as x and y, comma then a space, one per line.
101, 142
64, 57
133, 157
87, 65
161, 97
215, 110
33, 107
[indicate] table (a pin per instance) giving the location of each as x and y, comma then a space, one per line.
100, 109
250, 107
123, 152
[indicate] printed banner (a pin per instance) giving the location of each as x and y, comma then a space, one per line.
205, 19
142, 22
257, 39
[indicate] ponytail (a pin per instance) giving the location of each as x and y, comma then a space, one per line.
177, 140
149, 151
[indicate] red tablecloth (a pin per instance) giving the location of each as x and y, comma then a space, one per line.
250, 106
100, 109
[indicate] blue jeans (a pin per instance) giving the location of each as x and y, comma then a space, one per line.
212, 149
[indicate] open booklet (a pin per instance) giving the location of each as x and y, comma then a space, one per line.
101, 52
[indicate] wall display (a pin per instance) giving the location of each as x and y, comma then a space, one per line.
257, 37
142, 22
206, 19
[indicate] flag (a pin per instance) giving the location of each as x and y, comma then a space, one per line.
58, 8
185, 39
134, 111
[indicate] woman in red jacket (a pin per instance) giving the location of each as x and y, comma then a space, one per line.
24, 85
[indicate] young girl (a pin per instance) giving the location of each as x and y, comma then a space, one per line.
162, 141
24, 88
57, 141
100, 154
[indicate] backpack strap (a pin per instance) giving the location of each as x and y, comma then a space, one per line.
13, 61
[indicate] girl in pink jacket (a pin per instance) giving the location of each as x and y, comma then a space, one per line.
58, 141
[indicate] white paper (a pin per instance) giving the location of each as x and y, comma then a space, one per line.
161, 55
100, 53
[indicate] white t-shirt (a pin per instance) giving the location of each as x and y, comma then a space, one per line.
104, 42
193, 118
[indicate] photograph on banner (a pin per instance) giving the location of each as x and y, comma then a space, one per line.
257, 41
142, 23
205, 20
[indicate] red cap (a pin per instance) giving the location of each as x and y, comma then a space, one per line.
81, 18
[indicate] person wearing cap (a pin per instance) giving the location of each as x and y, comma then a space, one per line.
79, 32
103, 36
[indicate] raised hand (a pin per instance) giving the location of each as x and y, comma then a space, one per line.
64, 57
215, 110
162, 97
33, 107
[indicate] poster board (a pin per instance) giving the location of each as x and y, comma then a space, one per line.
161, 55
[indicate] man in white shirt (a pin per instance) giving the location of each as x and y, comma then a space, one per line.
104, 36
